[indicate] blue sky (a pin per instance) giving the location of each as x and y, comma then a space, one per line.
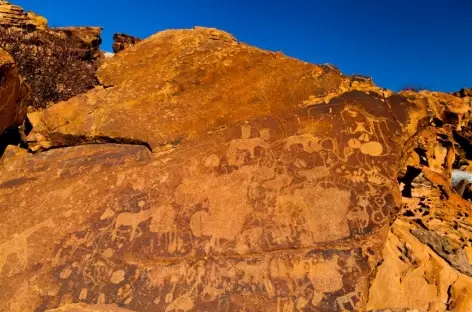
419, 42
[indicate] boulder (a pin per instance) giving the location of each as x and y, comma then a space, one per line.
123, 41
273, 210
13, 95
85, 38
208, 175
174, 86
464, 92
11, 92
270, 184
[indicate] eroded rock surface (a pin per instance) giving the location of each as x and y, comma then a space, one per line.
12, 92
464, 92
245, 181
123, 41
13, 15
13, 96
428, 255
58, 63
83, 307
177, 85
269, 212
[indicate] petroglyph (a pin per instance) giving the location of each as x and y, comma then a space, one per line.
183, 303
225, 199
310, 278
130, 219
238, 147
372, 148
320, 211
285, 192
346, 302
117, 277
101, 299
309, 142
325, 278
212, 161
369, 135
262, 207
18, 246
107, 214
271, 186
163, 219
315, 174
359, 214
83, 294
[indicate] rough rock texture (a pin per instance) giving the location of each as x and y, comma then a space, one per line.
464, 92
428, 255
175, 87
58, 63
86, 38
274, 211
13, 15
123, 41
12, 93
83, 307
13, 98
245, 181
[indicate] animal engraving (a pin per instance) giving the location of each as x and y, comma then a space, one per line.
129, 219
346, 302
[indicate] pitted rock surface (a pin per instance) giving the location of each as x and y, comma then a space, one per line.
427, 260
245, 181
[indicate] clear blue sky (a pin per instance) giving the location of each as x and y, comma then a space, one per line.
420, 42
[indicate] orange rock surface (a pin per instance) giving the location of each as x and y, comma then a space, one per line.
13, 93
13, 15
208, 175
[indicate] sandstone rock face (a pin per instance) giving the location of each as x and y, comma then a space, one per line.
244, 181
464, 92
13, 15
175, 86
427, 258
58, 63
253, 216
87, 38
123, 41
13, 93
11, 112
83, 307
